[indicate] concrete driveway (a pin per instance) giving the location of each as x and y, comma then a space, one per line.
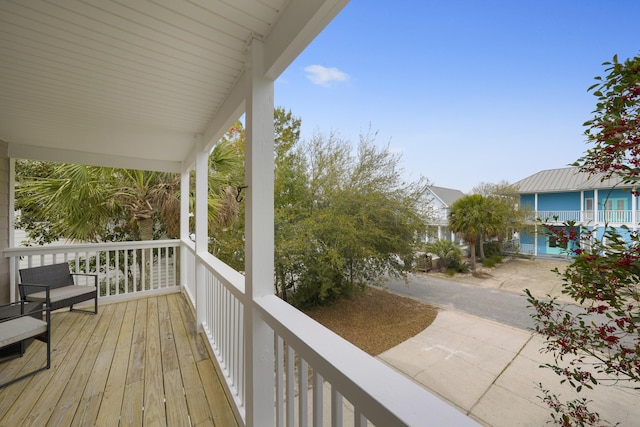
489, 370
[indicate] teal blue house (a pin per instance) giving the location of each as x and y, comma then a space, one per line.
588, 202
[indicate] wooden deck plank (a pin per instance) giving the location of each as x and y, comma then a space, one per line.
177, 409
154, 396
196, 400
87, 412
176, 404
71, 396
223, 415
167, 341
134, 363
132, 410
135, 370
189, 322
111, 405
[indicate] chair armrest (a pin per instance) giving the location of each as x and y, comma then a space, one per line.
37, 287
42, 309
95, 277
23, 294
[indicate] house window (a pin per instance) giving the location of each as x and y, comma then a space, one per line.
588, 207
555, 243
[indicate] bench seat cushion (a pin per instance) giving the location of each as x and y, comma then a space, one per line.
61, 294
20, 328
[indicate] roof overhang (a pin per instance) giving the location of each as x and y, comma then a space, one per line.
142, 84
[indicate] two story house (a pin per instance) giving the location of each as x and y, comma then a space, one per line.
566, 195
439, 201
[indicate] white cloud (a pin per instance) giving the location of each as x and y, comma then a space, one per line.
324, 76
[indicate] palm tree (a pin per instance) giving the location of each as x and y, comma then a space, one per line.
87, 203
468, 218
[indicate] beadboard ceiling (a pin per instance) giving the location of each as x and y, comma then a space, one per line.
130, 83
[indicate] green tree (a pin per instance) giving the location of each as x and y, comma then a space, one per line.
504, 200
96, 204
473, 217
343, 217
603, 278
361, 221
226, 232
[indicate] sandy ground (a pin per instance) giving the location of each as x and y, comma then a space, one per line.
517, 274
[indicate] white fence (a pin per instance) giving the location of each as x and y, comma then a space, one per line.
124, 269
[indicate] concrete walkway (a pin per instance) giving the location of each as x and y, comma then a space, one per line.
490, 371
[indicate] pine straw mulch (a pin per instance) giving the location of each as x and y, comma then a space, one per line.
375, 320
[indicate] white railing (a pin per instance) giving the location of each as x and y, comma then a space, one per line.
557, 216
319, 378
223, 323
318, 375
615, 216
586, 217
124, 269
188, 267
527, 248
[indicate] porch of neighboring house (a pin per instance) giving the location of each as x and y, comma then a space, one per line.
138, 362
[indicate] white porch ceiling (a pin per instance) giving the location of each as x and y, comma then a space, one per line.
130, 83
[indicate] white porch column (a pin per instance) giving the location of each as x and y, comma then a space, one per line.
634, 212
595, 207
259, 251
184, 223
535, 233
202, 232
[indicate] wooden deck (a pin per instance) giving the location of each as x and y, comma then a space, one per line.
136, 363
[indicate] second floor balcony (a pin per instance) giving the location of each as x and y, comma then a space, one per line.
587, 217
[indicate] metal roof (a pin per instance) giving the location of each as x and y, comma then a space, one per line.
564, 179
447, 196
132, 83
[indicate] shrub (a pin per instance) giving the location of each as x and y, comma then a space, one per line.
492, 248
464, 268
449, 253
492, 261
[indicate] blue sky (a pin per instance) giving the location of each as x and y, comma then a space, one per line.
466, 91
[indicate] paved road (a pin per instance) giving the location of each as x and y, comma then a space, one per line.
504, 307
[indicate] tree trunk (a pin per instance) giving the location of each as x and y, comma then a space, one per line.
145, 227
481, 246
472, 261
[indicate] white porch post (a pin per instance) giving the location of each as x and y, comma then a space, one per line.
634, 212
535, 233
595, 207
184, 223
202, 232
259, 233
